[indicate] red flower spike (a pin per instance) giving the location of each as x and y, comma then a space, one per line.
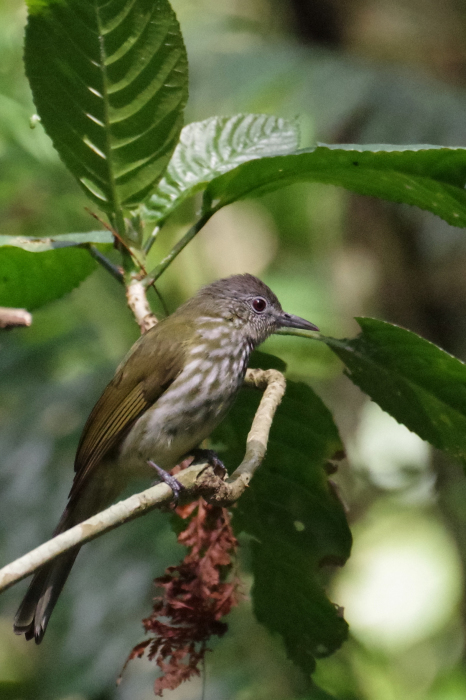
195, 597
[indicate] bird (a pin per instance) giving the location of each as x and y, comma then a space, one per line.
172, 389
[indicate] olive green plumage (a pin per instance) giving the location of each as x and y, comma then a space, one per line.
169, 393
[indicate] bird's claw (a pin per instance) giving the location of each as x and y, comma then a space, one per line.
211, 457
168, 479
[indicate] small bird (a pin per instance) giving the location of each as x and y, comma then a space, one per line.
173, 388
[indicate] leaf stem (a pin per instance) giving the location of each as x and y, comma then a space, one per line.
117, 208
114, 270
300, 332
177, 248
151, 240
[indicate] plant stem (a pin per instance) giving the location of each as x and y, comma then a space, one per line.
137, 302
114, 270
176, 250
300, 332
151, 240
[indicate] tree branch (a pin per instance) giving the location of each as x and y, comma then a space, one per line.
11, 318
198, 480
137, 302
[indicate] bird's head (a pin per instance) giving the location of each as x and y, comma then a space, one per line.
246, 304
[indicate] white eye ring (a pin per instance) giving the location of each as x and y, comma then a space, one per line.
259, 304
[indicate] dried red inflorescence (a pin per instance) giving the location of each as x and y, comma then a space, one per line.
196, 595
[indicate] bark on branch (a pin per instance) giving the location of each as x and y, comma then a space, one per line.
12, 318
198, 480
137, 302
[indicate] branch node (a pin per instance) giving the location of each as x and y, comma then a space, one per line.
214, 489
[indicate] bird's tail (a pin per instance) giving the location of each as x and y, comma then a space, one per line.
36, 608
34, 612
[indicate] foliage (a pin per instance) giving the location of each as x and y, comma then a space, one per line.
123, 70
62, 252
420, 385
430, 177
110, 84
300, 530
215, 146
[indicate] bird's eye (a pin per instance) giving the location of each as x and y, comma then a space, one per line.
259, 304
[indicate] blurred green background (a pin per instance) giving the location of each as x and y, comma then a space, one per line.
365, 71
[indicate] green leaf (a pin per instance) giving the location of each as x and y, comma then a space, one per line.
430, 177
317, 693
212, 147
109, 80
296, 521
29, 280
413, 380
64, 240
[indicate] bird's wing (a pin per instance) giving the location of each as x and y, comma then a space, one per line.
144, 375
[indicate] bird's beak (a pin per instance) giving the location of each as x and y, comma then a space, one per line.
290, 321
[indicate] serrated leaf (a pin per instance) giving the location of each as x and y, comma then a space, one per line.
413, 380
296, 521
29, 280
212, 147
109, 80
430, 177
64, 240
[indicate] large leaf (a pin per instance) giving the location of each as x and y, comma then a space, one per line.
212, 147
30, 279
430, 177
416, 382
109, 80
296, 521
35, 271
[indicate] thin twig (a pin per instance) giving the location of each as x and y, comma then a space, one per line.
176, 250
12, 318
115, 271
161, 299
300, 333
197, 480
273, 384
119, 238
151, 240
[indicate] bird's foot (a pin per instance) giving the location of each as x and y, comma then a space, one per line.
211, 458
168, 479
